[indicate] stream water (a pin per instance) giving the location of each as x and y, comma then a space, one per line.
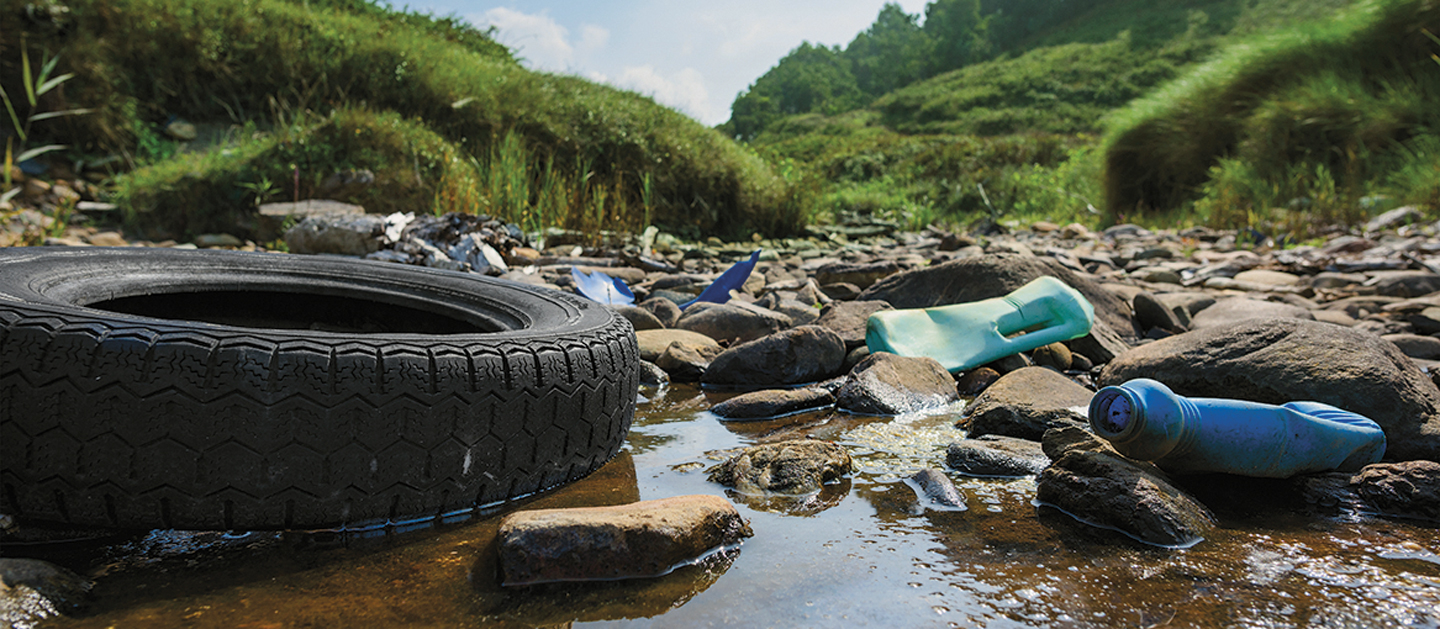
863, 552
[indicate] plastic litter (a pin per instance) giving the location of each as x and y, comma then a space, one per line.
733, 278
600, 287
963, 336
1147, 421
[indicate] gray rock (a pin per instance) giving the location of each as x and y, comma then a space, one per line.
351, 235
651, 375
1155, 275
1394, 218
653, 343
800, 355
1026, 403
1102, 344
641, 539
1150, 312
936, 490
800, 314
886, 384
995, 275
772, 403
1416, 346
795, 467
1404, 283
1282, 360
996, 455
732, 323
847, 318
859, 274
1191, 303
685, 362
1095, 484
854, 356
639, 318
32, 590
1232, 309
665, 310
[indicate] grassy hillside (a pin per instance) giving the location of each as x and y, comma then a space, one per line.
1307, 119
443, 115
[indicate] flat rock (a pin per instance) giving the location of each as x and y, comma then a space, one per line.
1227, 311
1027, 402
1274, 361
653, 343
772, 403
1095, 484
994, 275
1404, 283
847, 319
794, 467
1415, 345
351, 235
860, 274
800, 355
996, 455
732, 323
886, 384
642, 539
1268, 278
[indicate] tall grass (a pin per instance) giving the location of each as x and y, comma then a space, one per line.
1307, 119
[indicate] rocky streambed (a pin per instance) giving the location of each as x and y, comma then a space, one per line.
978, 498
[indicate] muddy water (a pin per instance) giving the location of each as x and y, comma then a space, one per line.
863, 552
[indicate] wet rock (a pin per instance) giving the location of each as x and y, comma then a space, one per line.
639, 318
686, 362
1055, 356
886, 384
994, 275
653, 343
1410, 488
350, 235
1026, 403
1282, 360
847, 319
1416, 346
996, 455
728, 322
854, 356
772, 403
1095, 484
1227, 311
642, 539
651, 375
665, 310
796, 356
1150, 312
861, 275
936, 490
977, 380
32, 590
795, 467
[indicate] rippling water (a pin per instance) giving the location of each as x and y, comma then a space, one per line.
863, 552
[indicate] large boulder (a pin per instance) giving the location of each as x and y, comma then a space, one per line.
994, 275
799, 355
1283, 360
1027, 402
1092, 482
642, 539
732, 323
1227, 311
886, 384
847, 318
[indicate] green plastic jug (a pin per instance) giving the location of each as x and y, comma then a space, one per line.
963, 336
1147, 421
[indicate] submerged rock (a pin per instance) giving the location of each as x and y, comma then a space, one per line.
642, 539
790, 467
1095, 484
1027, 402
1282, 360
1410, 489
772, 403
996, 455
936, 490
32, 590
886, 384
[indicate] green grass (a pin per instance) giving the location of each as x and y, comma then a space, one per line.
291, 66
1309, 119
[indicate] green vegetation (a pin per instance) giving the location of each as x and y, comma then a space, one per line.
444, 117
1309, 119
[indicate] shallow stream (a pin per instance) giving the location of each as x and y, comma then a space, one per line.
864, 552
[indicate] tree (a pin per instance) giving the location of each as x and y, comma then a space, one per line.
958, 34
812, 78
890, 54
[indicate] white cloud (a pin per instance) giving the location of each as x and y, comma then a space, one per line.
592, 38
683, 90
537, 38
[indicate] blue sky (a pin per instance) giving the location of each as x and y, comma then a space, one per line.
693, 56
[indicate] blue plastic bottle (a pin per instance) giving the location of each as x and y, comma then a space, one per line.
1147, 421
962, 336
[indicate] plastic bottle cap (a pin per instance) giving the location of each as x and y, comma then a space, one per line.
1115, 414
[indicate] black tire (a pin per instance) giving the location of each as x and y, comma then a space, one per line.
427, 394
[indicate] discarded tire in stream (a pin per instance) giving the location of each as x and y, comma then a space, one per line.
154, 388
